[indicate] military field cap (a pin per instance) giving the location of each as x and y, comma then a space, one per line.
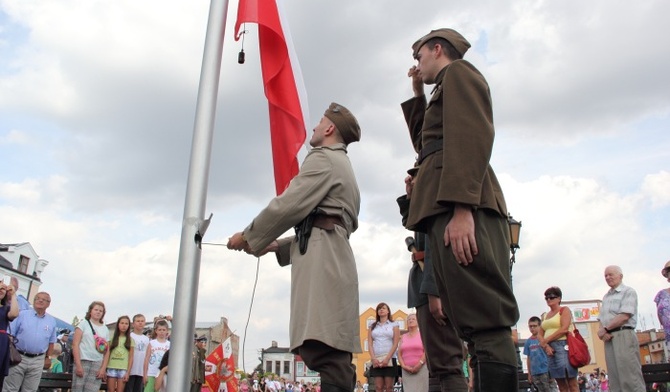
454, 37
345, 122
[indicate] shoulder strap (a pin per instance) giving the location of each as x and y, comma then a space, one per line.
93, 331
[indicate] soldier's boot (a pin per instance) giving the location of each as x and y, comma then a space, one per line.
496, 377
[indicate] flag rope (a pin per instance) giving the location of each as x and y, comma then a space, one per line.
251, 304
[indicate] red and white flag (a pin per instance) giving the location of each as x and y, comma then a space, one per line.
284, 88
220, 369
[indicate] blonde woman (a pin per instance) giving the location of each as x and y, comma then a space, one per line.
412, 358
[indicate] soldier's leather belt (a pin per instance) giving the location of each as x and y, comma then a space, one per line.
418, 256
429, 149
327, 222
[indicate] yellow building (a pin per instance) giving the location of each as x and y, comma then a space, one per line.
364, 320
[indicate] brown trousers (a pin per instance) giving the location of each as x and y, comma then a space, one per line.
444, 349
478, 298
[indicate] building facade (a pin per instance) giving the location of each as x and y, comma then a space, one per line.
21, 261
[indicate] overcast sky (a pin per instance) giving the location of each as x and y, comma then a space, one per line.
97, 102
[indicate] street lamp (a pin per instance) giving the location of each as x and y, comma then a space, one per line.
514, 232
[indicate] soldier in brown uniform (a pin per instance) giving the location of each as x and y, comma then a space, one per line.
324, 327
458, 202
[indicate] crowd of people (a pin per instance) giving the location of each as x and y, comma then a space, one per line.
131, 359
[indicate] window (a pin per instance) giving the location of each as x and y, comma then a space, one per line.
277, 366
23, 264
401, 323
300, 369
287, 367
268, 366
365, 346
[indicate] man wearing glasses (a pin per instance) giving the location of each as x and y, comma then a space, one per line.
35, 333
536, 360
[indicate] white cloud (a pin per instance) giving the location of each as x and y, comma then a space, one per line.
101, 198
657, 188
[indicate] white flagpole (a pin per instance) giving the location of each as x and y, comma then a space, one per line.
193, 223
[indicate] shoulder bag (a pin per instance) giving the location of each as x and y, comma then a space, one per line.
14, 354
100, 342
578, 350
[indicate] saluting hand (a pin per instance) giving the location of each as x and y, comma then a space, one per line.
417, 82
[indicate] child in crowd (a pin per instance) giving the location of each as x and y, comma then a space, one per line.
56, 365
119, 358
136, 377
244, 385
155, 351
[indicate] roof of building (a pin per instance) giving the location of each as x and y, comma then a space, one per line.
277, 350
6, 263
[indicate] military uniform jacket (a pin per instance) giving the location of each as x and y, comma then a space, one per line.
198, 369
459, 113
324, 281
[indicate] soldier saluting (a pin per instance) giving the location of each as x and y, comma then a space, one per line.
457, 201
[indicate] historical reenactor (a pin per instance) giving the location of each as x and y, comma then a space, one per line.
322, 202
198, 370
440, 340
458, 203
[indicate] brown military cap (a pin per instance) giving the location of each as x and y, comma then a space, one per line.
454, 37
345, 122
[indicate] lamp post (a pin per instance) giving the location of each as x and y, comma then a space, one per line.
514, 232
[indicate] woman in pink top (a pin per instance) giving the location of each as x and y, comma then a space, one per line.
412, 358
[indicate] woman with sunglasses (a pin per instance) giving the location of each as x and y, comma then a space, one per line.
662, 301
555, 325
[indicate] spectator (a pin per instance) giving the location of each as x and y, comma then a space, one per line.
618, 319
56, 365
155, 351
244, 385
662, 300
592, 383
35, 331
119, 358
9, 310
66, 350
161, 378
383, 338
88, 349
136, 378
412, 358
553, 334
581, 381
536, 359
604, 382
23, 301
